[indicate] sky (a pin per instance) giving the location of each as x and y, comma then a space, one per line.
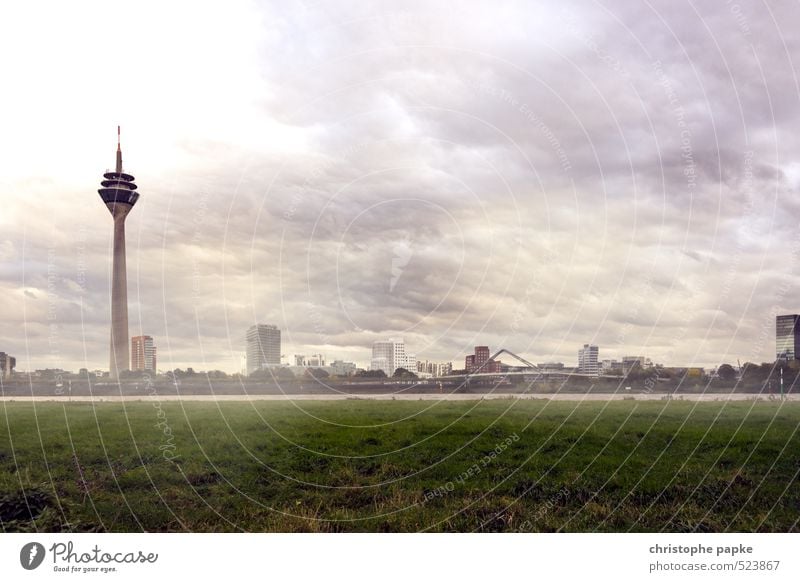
528, 176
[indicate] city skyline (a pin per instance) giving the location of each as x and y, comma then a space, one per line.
263, 350
361, 187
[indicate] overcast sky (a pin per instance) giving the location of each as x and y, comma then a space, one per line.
527, 177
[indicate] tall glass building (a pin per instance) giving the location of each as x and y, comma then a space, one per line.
787, 337
391, 354
263, 347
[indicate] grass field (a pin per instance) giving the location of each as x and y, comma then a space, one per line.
502, 465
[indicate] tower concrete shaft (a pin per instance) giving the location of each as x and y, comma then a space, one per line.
120, 355
119, 195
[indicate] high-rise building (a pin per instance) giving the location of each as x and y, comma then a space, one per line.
382, 357
263, 347
390, 355
381, 364
434, 369
410, 363
143, 353
481, 362
588, 359
119, 194
631, 362
398, 355
787, 337
613, 367
342, 368
7, 364
312, 361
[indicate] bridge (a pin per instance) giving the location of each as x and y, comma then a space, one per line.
533, 369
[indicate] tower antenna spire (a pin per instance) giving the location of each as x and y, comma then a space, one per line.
119, 153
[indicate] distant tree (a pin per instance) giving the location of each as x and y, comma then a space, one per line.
370, 374
636, 372
403, 373
261, 374
274, 374
663, 373
726, 372
317, 373
282, 374
753, 373
790, 373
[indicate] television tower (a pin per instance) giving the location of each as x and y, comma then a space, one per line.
119, 195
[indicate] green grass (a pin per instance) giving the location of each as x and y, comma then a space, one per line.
395, 466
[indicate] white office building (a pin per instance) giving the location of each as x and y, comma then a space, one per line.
588, 359
390, 355
426, 369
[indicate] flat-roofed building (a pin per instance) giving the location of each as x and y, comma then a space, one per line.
480, 362
263, 349
143, 354
588, 359
787, 337
7, 364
